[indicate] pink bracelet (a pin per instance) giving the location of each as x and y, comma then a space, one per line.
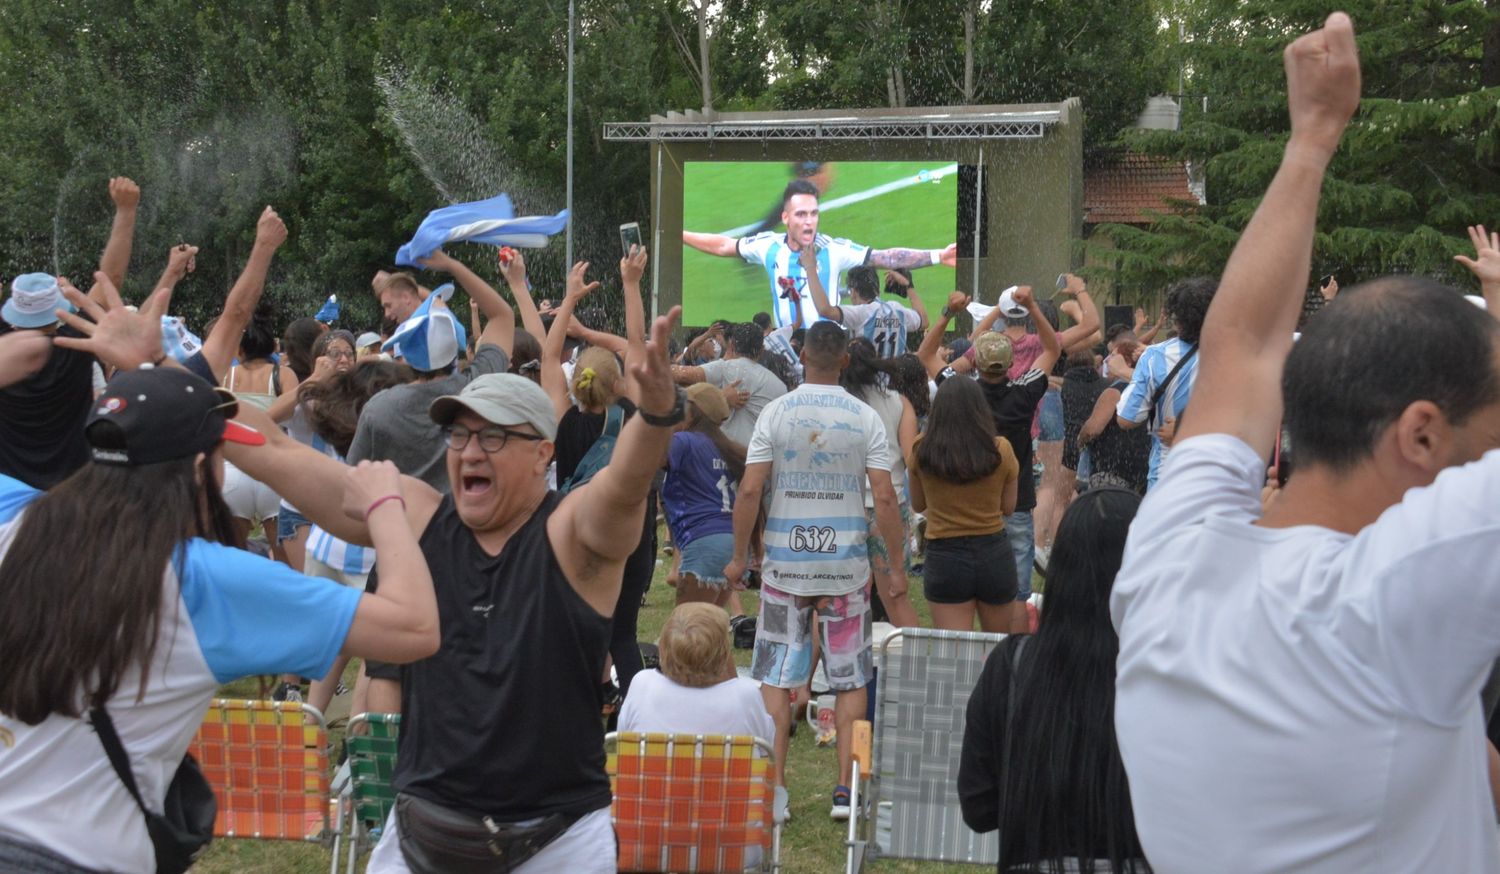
379, 501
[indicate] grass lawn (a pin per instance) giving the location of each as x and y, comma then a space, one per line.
811, 843
721, 196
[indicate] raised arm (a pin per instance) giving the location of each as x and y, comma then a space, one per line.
1248, 331
1051, 348
985, 324
915, 299
808, 258
314, 482
222, 343
514, 272
1149, 335
1081, 334
632, 268
116, 258
597, 526
1485, 265
712, 244
181, 260
500, 328
927, 351
398, 623
911, 259
553, 380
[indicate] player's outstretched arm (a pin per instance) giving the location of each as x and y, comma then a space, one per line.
912, 259
713, 244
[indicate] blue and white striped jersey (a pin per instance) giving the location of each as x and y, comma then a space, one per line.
770, 250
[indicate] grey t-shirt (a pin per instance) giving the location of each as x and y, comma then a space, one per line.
761, 383
394, 425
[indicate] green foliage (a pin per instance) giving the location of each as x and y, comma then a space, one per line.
1419, 163
218, 109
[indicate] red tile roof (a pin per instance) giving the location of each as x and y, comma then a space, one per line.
1128, 188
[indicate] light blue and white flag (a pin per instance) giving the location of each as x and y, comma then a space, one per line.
490, 221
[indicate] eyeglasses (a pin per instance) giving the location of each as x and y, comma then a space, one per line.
491, 439
339, 353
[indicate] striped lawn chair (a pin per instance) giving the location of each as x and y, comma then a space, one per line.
268, 764
912, 809
694, 804
366, 801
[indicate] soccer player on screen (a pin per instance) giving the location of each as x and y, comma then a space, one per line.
777, 253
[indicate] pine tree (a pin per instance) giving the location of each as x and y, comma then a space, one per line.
1419, 163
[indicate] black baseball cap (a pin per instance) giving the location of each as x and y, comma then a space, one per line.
152, 415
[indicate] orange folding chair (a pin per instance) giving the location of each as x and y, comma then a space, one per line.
268, 764
694, 804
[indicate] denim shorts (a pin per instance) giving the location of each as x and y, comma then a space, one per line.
1051, 417
288, 521
973, 568
705, 557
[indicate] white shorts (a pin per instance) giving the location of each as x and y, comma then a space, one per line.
587, 847
248, 498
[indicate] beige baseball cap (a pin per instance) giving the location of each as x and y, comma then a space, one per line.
502, 399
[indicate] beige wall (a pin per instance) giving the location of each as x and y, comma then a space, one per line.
1035, 202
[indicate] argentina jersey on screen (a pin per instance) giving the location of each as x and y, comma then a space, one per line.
770, 251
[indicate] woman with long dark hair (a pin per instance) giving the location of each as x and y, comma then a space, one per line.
1040, 761
965, 479
703, 468
136, 621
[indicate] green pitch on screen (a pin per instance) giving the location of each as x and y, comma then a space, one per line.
719, 196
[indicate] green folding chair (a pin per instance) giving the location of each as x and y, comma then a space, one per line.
366, 802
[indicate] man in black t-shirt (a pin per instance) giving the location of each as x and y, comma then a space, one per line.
1013, 404
42, 417
501, 738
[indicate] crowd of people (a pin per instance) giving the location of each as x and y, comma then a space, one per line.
1233, 668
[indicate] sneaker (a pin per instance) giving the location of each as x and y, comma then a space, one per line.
340, 689
781, 808
287, 692
841, 808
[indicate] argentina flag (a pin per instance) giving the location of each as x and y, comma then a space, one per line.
490, 221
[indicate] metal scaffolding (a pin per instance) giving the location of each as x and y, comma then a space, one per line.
985, 126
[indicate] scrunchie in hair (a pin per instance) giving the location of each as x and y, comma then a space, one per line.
585, 378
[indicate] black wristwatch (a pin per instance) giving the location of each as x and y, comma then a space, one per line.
667, 420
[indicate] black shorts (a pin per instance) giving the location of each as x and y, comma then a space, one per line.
962, 569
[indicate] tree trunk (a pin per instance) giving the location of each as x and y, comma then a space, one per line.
703, 66
969, 52
1489, 67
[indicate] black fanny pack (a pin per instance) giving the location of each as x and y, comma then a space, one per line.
438, 840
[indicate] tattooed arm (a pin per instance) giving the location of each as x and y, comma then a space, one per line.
913, 258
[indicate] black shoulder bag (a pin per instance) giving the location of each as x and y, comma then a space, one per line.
186, 824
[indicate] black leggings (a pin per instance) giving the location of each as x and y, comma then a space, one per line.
639, 568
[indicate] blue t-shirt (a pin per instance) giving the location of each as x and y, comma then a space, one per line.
231, 614
698, 493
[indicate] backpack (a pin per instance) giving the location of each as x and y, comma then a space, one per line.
599, 454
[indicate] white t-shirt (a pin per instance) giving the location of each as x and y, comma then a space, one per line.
734, 706
820, 441
1300, 699
887, 405
770, 251
228, 614
761, 383
884, 323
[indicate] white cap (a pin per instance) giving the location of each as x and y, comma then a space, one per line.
1008, 306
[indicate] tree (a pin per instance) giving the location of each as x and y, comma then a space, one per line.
1419, 163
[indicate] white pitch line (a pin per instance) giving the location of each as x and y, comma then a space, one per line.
860, 196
